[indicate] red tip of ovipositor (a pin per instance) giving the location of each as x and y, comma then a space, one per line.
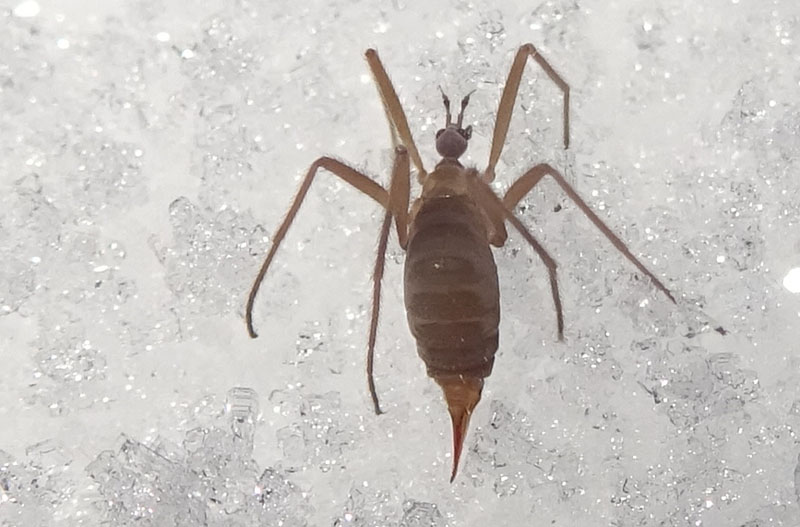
462, 395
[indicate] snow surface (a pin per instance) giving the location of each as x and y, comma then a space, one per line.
149, 150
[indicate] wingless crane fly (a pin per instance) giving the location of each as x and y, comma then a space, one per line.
451, 290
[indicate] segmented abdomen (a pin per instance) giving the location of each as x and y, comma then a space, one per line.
451, 292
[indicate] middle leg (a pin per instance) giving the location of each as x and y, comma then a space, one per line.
346, 173
529, 179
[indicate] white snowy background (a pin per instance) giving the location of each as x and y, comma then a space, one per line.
150, 149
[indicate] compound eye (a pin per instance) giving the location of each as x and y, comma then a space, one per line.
440, 132
467, 133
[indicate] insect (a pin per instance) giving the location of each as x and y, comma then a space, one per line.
452, 298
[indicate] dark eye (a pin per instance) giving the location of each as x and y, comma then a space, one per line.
440, 132
467, 133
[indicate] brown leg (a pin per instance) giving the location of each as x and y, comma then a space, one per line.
528, 180
509, 97
394, 110
377, 276
495, 207
350, 175
399, 195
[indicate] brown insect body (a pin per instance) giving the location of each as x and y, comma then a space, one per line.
451, 291
451, 288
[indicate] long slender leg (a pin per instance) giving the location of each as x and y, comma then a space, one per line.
350, 175
494, 213
377, 276
495, 206
394, 110
509, 97
399, 195
529, 179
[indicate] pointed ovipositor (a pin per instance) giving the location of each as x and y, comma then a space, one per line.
462, 395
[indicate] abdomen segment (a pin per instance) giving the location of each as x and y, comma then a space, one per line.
451, 291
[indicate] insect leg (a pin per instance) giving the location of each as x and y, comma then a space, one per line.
377, 276
398, 197
495, 207
394, 110
529, 179
509, 97
350, 175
